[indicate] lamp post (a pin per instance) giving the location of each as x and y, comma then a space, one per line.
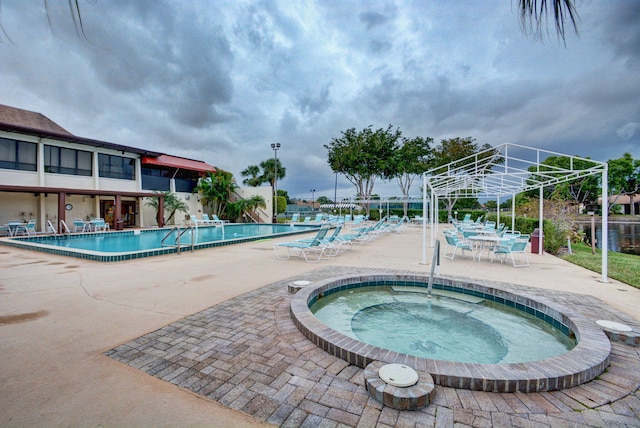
313, 199
275, 147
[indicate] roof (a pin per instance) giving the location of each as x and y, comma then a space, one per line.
178, 162
21, 121
505, 170
29, 119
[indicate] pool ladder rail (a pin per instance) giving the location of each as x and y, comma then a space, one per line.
180, 232
435, 262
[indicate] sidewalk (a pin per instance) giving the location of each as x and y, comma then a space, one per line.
59, 317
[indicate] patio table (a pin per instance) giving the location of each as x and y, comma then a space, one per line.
12, 227
485, 242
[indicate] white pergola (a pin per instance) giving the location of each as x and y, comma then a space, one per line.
505, 171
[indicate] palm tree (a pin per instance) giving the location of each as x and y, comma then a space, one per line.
253, 172
270, 169
533, 16
216, 189
237, 209
171, 204
255, 202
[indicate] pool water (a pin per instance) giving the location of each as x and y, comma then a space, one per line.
119, 246
440, 327
152, 239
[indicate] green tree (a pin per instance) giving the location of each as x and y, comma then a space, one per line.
254, 178
272, 168
285, 194
582, 190
451, 150
363, 156
238, 210
216, 190
323, 200
172, 204
624, 178
412, 158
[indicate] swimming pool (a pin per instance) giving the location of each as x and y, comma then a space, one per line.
133, 244
586, 360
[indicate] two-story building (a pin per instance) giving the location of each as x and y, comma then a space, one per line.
51, 175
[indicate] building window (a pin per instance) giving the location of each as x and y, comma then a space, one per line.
110, 166
61, 160
18, 155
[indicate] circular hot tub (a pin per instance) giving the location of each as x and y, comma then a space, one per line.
587, 359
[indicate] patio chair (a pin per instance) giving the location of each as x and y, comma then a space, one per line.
318, 218
218, 220
294, 218
206, 219
99, 224
467, 218
79, 225
196, 222
466, 233
26, 229
508, 249
454, 242
305, 249
333, 244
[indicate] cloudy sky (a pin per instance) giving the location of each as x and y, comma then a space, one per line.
220, 81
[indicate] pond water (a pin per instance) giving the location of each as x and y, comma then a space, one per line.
623, 237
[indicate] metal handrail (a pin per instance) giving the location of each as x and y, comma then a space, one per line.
181, 232
434, 262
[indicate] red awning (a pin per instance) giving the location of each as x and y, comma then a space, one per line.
176, 162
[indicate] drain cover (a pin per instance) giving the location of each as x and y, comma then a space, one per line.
613, 325
301, 283
398, 375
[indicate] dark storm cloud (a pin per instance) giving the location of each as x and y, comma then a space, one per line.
180, 63
621, 26
372, 19
222, 80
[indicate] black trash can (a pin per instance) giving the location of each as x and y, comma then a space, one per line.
119, 224
536, 237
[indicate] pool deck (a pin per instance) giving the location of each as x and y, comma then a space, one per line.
75, 338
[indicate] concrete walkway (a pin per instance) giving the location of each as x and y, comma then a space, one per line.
65, 323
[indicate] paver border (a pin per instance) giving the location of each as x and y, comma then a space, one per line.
588, 359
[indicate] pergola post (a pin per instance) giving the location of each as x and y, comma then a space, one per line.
513, 212
541, 219
605, 224
424, 219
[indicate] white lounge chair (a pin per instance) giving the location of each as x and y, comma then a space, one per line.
305, 249
196, 222
217, 220
333, 244
294, 218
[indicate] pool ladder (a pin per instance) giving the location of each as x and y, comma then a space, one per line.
177, 240
434, 262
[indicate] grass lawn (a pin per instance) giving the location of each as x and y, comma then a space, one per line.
622, 267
